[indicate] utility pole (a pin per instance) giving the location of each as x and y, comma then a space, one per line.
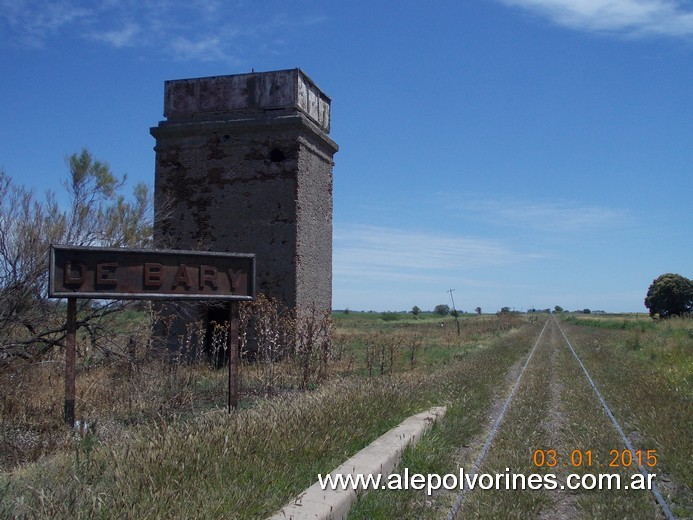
454, 312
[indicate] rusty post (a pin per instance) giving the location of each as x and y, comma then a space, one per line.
234, 317
70, 348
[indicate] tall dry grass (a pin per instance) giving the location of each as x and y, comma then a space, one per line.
159, 442
243, 465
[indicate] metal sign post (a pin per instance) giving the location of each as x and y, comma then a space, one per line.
70, 350
234, 318
143, 274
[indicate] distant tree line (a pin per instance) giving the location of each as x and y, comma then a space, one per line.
668, 295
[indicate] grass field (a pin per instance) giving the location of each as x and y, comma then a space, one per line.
643, 373
162, 445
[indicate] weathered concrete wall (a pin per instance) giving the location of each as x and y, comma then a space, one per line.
244, 164
208, 98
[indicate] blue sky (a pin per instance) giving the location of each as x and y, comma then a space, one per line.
526, 153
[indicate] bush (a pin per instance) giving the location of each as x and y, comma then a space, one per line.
442, 310
97, 215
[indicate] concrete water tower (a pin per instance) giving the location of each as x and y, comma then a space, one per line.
244, 164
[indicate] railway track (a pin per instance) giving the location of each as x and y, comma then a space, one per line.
555, 421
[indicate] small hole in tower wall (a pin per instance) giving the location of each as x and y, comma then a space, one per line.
276, 155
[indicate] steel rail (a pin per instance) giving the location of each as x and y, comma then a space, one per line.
480, 458
645, 473
477, 463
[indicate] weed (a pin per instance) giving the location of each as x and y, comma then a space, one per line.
314, 392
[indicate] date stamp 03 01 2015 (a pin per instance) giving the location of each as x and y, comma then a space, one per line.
585, 458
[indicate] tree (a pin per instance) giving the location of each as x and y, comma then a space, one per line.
442, 309
558, 309
97, 215
670, 295
415, 310
478, 310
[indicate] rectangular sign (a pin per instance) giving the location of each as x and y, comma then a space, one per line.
113, 273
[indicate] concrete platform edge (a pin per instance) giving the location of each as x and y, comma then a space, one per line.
381, 456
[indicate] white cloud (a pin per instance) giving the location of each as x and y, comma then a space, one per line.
393, 268
558, 215
118, 38
401, 255
631, 17
32, 22
185, 30
205, 49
